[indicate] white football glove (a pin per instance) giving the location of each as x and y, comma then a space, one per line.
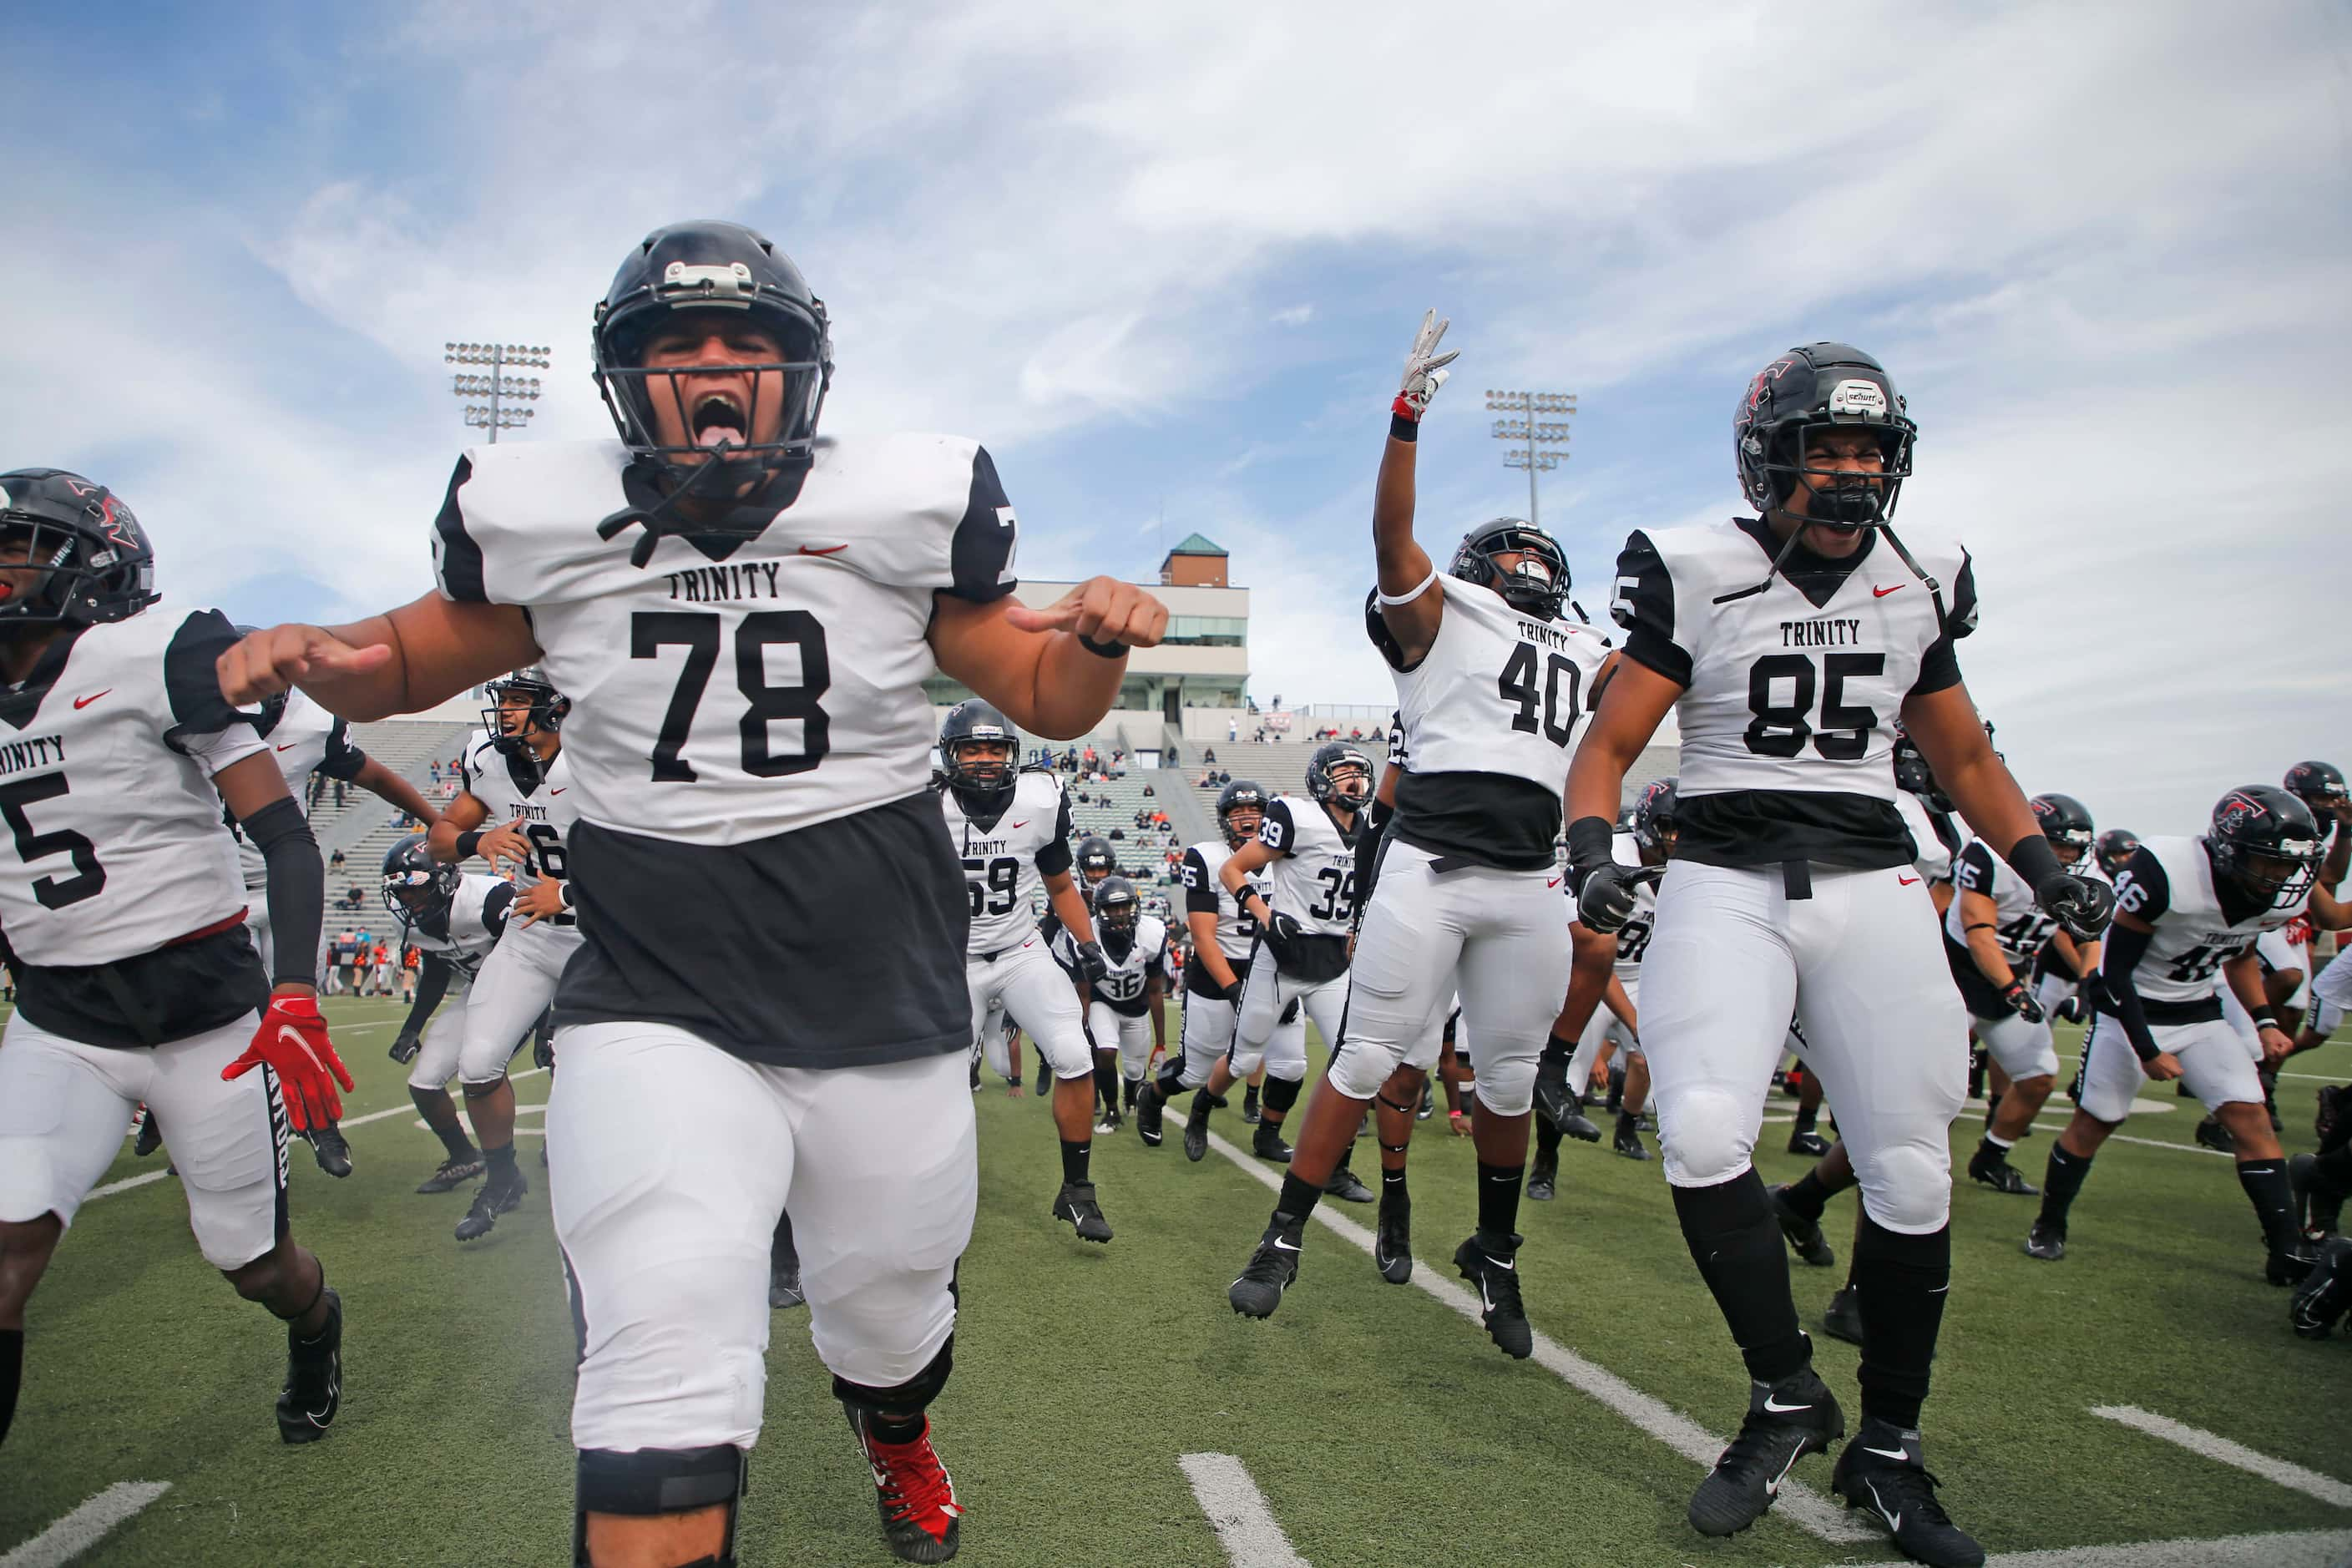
1424, 370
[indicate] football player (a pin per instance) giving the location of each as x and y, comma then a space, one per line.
456, 918
2320, 786
747, 632
304, 738
1992, 930
1491, 684
512, 810
1123, 1002
1786, 643
1095, 860
1225, 936
2189, 911
1012, 826
135, 978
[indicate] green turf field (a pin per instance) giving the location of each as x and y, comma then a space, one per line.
1381, 1427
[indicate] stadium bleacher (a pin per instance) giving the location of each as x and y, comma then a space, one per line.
364, 828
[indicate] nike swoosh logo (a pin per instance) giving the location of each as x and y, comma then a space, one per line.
1502, 1263
1909, 882
1894, 1521
290, 746
1019, 825
1878, 593
1779, 1409
1489, 1300
828, 550
556, 792
82, 702
1886, 1454
288, 1032
1553, 883
1282, 1246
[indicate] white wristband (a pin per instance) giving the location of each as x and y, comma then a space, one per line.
1409, 596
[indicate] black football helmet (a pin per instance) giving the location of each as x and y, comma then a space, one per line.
2065, 822
2116, 847
1239, 796
95, 561
2265, 840
543, 716
975, 777
1653, 817
1340, 774
1096, 860
417, 887
1820, 386
1914, 776
2320, 785
1536, 586
1116, 909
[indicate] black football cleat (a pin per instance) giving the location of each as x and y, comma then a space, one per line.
1149, 1112
1882, 1473
1393, 1238
150, 1134
1491, 1264
2324, 1292
2291, 1265
313, 1390
327, 1146
1076, 1203
1841, 1318
1266, 1143
1044, 1076
2318, 1202
1998, 1174
1563, 1110
1348, 1188
1107, 1123
1806, 1142
451, 1173
2046, 1241
1577, 1125
784, 1283
492, 1200
1543, 1178
1269, 1271
1249, 1105
1786, 1421
2216, 1137
921, 1519
1804, 1235
1628, 1141
1196, 1126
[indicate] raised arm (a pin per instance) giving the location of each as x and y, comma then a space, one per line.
403, 661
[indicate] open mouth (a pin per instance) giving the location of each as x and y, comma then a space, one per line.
719, 421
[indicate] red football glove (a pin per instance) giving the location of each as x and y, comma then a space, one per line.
292, 1042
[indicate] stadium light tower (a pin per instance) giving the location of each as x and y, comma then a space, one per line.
1535, 434
497, 386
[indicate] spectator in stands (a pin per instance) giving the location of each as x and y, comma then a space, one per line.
1233, 728
335, 862
1209, 756
1148, 792
1118, 832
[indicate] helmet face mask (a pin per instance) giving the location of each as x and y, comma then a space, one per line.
2066, 824
524, 710
1117, 910
1340, 776
2264, 842
1809, 392
979, 752
1241, 809
1534, 582
2319, 786
1654, 829
416, 887
1097, 861
69, 552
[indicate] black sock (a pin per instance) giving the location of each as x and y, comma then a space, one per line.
1996, 1152
1298, 1198
1628, 1122
1126, 1093
1806, 1120
2060, 1182
1106, 1087
1900, 1282
781, 1243
1249, 1098
502, 1160
1557, 1051
12, 1375
1498, 1199
1392, 1190
1074, 1158
2266, 1186
900, 1429
1808, 1196
1737, 1243
1548, 1139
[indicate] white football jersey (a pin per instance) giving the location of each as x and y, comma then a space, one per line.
548, 803
2022, 930
477, 919
306, 739
107, 757
730, 691
2169, 884
1005, 861
1313, 876
1933, 835
1236, 927
1633, 936
1123, 987
1791, 687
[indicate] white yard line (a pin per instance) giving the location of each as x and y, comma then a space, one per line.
2289, 1549
2223, 1451
2163, 1143
1246, 1527
79, 1530
1799, 1502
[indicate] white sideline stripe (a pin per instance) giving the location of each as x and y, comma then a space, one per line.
2162, 1143
81, 1529
2221, 1450
1246, 1527
2294, 1549
1685, 1436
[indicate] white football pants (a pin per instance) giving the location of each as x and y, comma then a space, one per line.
1026, 985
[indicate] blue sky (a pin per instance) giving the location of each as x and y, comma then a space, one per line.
1166, 265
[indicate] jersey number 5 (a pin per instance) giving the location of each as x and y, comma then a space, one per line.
1517, 685
1781, 729
89, 876
652, 630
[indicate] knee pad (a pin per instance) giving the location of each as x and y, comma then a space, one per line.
1170, 1080
916, 1394
1906, 1189
1706, 1136
642, 1482
484, 1091
1280, 1093
1508, 1088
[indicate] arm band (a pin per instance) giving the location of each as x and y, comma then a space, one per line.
469, 844
1102, 650
1403, 429
296, 888
1591, 841
1982, 925
2265, 1017
1410, 595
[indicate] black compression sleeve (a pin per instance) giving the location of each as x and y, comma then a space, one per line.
2121, 955
2032, 859
296, 889
432, 984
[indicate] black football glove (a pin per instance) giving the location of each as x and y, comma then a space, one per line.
1092, 964
1605, 895
403, 1049
1282, 935
2081, 905
1233, 994
2021, 1000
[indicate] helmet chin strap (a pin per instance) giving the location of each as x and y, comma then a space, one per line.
1876, 518
660, 519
